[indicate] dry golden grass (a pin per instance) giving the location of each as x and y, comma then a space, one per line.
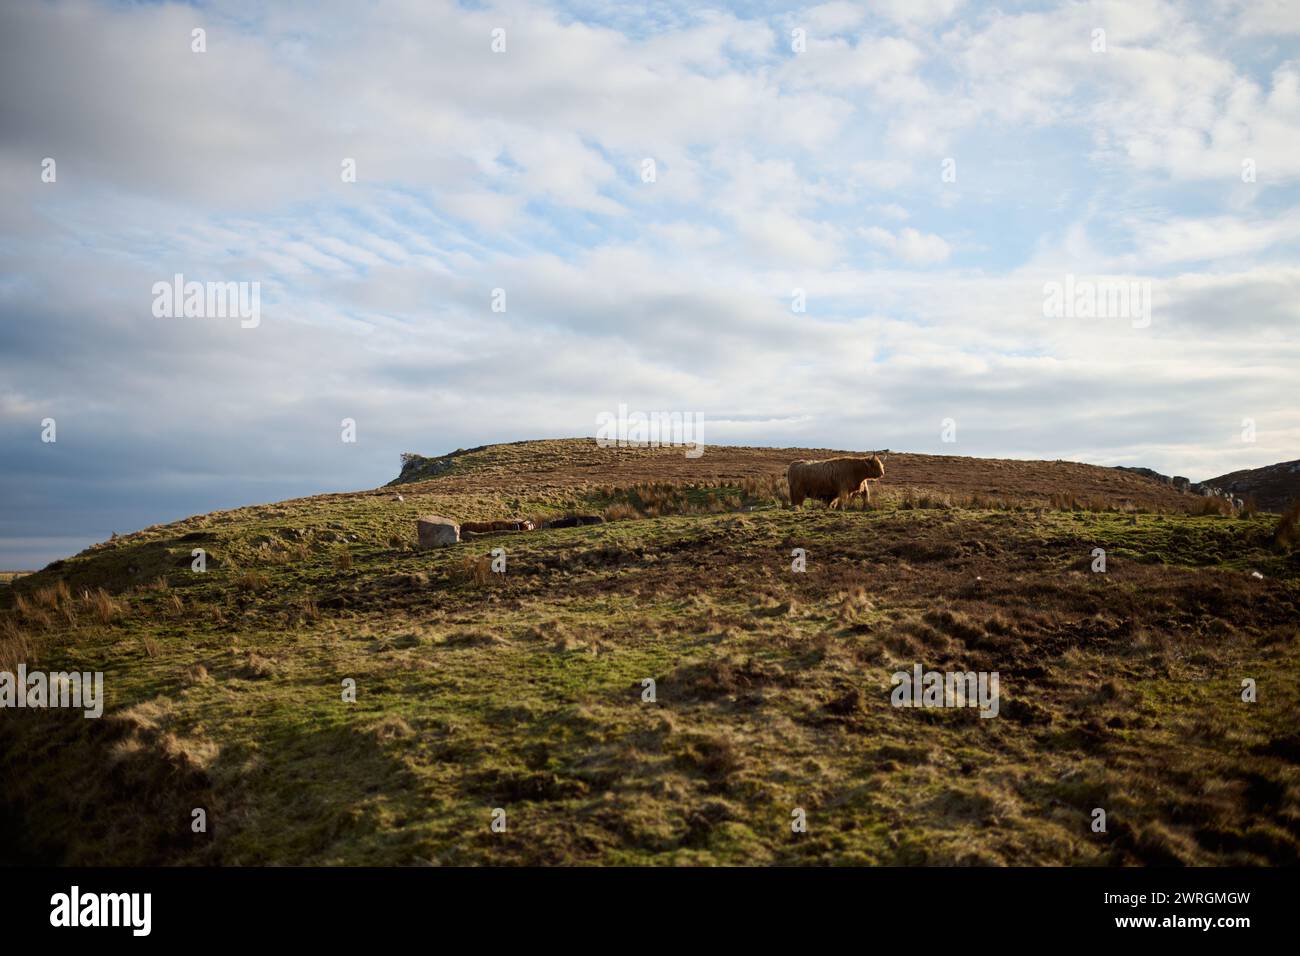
476, 570
255, 666
51, 596
392, 727
1287, 533
196, 674
16, 645
252, 582
101, 607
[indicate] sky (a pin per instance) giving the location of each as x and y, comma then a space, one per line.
835, 225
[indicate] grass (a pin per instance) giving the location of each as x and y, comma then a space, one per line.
524, 690
1286, 535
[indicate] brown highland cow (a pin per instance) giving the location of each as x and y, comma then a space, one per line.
834, 480
491, 527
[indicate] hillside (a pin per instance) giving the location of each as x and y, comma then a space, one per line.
558, 465
523, 691
1273, 487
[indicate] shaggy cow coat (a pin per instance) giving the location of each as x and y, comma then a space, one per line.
488, 527
833, 480
574, 521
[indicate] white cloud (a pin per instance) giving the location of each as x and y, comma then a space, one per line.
910, 245
829, 18
836, 64
1262, 17
916, 12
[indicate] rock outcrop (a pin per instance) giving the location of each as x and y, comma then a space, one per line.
1273, 487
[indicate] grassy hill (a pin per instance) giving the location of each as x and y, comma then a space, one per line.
523, 691
1274, 487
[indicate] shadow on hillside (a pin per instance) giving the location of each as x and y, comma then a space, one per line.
335, 794
121, 792
119, 566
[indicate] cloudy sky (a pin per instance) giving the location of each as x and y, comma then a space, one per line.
922, 170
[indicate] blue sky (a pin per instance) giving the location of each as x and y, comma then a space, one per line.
776, 169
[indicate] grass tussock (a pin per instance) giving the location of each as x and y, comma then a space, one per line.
52, 596
476, 570
621, 512
196, 674
1286, 534
255, 666
1215, 506
663, 499
252, 582
16, 645
101, 607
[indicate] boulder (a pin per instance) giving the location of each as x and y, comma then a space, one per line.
435, 531
1181, 483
